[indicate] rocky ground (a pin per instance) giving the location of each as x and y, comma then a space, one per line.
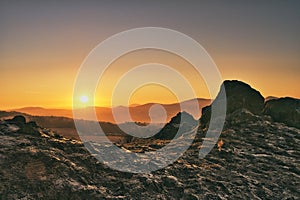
256, 157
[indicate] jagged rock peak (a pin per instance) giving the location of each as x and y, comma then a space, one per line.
181, 123
239, 95
184, 115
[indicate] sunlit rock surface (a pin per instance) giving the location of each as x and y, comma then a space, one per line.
257, 159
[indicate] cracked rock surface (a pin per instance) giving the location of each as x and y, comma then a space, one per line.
255, 158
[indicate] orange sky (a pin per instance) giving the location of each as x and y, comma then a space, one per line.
44, 44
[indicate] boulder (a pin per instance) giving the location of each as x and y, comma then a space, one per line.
19, 119
239, 95
181, 123
29, 128
285, 110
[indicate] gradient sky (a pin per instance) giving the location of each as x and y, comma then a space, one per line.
42, 44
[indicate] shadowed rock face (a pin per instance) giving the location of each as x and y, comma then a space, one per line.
181, 123
19, 119
286, 110
239, 95
18, 123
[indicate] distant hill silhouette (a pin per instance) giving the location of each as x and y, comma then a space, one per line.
139, 113
61, 125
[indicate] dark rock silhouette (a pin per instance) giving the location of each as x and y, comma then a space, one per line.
239, 95
285, 110
19, 119
175, 125
18, 124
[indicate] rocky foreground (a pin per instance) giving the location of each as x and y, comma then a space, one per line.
255, 158
258, 159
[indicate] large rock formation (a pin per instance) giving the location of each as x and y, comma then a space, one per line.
181, 123
239, 96
285, 110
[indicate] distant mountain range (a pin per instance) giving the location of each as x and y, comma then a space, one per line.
139, 113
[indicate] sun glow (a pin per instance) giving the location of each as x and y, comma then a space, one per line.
84, 99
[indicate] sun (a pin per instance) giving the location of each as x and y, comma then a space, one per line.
84, 99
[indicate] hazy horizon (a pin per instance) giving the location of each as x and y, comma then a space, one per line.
139, 113
130, 105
